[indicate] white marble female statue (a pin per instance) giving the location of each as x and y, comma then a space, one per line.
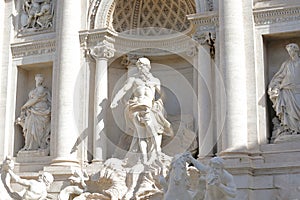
35, 117
284, 91
144, 115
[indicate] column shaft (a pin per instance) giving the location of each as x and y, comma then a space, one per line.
102, 52
100, 106
66, 73
205, 103
232, 60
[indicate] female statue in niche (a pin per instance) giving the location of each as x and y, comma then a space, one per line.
284, 91
35, 117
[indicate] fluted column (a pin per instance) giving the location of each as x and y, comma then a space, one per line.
101, 53
66, 72
232, 62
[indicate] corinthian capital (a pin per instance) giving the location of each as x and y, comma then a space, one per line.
103, 50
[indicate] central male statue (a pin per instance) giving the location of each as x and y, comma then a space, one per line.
143, 113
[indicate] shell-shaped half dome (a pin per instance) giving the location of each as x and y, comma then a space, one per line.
152, 17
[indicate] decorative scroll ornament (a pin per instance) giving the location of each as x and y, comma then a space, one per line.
102, 50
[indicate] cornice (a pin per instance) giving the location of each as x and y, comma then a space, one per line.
123, 44
40, 47
210, 18
156, 46
276, 15
90, 38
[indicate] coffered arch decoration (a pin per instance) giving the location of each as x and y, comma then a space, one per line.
141, 17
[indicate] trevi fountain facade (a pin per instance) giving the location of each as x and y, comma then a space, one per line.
150, 99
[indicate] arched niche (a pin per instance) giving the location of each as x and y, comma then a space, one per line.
176, 75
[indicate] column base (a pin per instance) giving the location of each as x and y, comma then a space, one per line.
64, 161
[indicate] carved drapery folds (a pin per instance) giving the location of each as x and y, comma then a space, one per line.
35, 117
283, 91
36, 15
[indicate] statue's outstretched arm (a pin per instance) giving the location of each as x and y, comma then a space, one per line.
19, 180
202, 168
122, 92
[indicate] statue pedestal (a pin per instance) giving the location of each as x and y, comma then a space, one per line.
32, 160
32, 156
287, 138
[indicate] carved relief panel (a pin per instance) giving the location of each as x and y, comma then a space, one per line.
36, 15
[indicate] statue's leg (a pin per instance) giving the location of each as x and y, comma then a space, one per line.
142, 137
143, 147
157, 138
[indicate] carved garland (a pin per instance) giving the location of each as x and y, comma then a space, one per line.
267, 17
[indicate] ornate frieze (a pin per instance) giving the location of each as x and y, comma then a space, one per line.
266, 17
158, 47
33, 48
